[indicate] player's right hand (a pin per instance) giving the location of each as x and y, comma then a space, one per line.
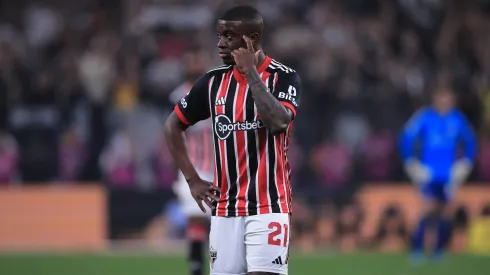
202, 190
417, 172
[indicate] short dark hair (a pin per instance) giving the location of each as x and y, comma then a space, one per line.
242, 13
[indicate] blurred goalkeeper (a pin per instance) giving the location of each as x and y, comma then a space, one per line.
434, 165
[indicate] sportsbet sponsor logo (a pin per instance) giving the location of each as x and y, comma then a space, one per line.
223, 126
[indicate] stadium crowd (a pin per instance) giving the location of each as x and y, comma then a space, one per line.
85, 85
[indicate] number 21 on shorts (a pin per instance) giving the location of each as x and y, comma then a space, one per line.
279, 235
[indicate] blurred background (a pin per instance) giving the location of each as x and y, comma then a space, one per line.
85, 88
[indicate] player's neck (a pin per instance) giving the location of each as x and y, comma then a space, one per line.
261, 59
443, 111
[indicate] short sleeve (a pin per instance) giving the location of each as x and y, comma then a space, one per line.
194, 106
287, 90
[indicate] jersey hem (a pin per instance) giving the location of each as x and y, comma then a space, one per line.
244, 214
289, 106
269, 270
227, 273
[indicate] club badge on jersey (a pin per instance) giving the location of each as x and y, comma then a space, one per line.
213, 255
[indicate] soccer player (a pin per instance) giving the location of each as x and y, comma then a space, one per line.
200, 144
252, 101
438, 170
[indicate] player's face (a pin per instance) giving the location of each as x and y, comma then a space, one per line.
230, 35
444, 100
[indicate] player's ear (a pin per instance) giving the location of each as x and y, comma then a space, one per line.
255, 38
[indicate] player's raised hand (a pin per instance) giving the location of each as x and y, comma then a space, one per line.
246, 59
202, 190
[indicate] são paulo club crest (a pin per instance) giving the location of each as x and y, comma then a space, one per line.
213, 254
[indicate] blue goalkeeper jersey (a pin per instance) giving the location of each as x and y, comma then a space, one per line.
438, 136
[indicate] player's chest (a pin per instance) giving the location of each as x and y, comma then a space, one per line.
234, 111
441, 130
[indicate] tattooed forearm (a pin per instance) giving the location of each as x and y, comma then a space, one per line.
274, 116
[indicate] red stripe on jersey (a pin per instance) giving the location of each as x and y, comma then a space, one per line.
287, 166
289, 106
224, 179
262, 173
180, 115
280, 176
241, 145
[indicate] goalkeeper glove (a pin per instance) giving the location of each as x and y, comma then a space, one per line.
460, 171
417, 172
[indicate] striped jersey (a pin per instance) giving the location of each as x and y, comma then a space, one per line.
251, 164
199, 138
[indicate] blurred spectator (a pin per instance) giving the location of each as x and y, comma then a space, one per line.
126, 90
377, 154
333, 165
8, 158
295, 158
72, 157
175, 220
117, 161
326, 226
35, 124
163, 165
97, 72
349, 225
483, 158
459, 229
98, 68
392, 234
479, 230
303, 224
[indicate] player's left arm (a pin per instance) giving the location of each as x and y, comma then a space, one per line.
468, 137
462, 167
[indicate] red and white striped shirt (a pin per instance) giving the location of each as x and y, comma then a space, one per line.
252, 167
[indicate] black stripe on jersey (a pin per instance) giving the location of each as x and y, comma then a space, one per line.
230, 152
273, 192
212, 98
252, 157
271, 144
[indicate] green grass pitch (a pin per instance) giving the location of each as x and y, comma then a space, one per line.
124, 264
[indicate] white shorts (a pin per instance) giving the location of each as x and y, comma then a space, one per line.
260, 243
186, 201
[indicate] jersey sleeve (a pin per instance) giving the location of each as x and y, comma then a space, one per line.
287, 90
194, 106
410, 134
468, 136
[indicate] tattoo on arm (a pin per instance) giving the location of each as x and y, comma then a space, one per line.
274, 116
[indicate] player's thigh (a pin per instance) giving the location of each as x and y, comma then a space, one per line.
435, 198
267, 243
226, 246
